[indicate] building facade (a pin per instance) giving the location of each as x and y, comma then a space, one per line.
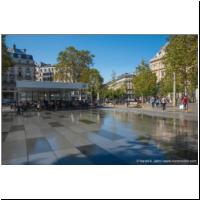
156, 64
124, 80
23, 69
44, 72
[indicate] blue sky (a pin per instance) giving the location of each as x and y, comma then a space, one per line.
121, 53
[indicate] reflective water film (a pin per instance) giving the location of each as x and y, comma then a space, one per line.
98, 137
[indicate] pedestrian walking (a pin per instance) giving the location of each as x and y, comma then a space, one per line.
127, 103
163, 103
185, 102
22, 108
38, 106
157, 102
18, 109
152, 101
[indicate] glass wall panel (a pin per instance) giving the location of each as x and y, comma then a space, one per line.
22, 96
28, 96
35, 96
41, 96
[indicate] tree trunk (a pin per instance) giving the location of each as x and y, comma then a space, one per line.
142, 101
98, 98
185, 88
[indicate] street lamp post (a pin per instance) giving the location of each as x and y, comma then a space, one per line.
91, 99
98, 98
174, 89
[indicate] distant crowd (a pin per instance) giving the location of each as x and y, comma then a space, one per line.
163, 101
23, 106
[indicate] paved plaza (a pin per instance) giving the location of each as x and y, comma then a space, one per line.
170, 112
96, 137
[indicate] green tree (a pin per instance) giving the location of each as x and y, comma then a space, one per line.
144, 82
70, 64
110, 94
165, 86
120, 92
107, 93
92, 77
104, 91
182, 58
6, 60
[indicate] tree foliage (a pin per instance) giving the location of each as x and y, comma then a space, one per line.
74, 66
6, 60
104, 91
165, 86
120, 93
92, 77
182, 58
144, 82
112, 94
71, 63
